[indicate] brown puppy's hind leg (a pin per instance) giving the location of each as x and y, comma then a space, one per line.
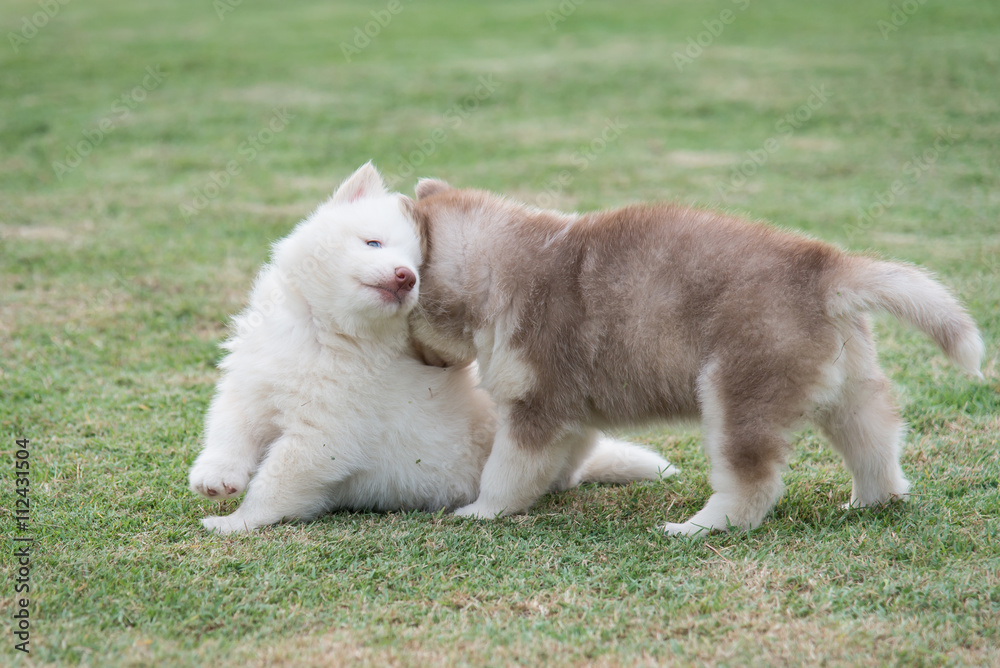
865, 428
745, 424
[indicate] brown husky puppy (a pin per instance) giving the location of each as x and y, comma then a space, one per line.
661, 311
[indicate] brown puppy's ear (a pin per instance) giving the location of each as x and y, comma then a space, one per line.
428, 356
366, 182
428, 187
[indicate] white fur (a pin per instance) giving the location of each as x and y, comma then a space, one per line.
616, 461
323, 403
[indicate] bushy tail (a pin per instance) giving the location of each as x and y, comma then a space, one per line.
621, 462
913, 296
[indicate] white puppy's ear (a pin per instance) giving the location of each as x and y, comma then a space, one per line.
366, 182
428, 187
408, 206
420, 226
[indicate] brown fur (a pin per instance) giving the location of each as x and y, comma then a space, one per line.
661, 311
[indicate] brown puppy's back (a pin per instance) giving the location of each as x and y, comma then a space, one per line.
618, 312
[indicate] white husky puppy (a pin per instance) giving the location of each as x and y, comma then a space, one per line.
324, 399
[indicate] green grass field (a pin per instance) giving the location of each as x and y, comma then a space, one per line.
151, 152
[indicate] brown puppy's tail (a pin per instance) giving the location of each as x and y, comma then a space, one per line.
913, 296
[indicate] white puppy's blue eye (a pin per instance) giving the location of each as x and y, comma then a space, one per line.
374, 244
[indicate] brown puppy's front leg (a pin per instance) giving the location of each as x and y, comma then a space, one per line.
517, 474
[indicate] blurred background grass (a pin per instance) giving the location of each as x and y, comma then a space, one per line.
150, 153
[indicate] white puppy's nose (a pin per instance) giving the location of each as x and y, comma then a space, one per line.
405, 279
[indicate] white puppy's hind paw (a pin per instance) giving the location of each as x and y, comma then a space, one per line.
218, 479
479, 511
226, 524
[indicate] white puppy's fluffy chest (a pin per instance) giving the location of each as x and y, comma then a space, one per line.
365, 397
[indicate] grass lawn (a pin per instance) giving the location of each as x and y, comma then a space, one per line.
151, 152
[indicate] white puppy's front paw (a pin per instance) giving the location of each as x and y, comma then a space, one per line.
226, 524
218, 478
